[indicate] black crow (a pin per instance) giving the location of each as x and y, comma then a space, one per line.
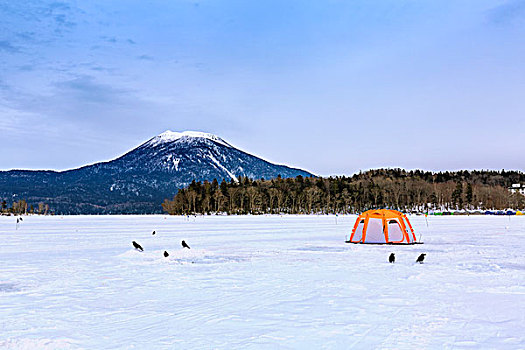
153, 233
392, 258
137, 246
420, 258
184, 245
166, 254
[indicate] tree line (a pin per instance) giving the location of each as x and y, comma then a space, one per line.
379, 188
22, 207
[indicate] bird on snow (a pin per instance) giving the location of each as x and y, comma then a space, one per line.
153, 233
420, 258
184, 245
392, 258
21, 219
166, 254
137, 246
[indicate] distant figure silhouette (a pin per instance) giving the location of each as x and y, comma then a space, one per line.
153, 233
420, 258
17, 220
166, 254
184, 245
21, 219
137, 246
392, 258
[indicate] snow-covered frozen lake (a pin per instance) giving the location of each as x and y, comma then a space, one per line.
259, 282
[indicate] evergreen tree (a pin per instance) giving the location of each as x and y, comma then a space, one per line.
378, 188
457, 195
468, 194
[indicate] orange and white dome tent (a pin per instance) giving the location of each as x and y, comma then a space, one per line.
382, 226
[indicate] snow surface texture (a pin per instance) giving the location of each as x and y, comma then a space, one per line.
171, 136
259, 282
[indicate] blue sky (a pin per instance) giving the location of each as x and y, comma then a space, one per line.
329, 86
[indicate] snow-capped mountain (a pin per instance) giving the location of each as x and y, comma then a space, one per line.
195, 155
141, 179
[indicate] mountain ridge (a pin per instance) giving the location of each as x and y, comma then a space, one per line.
139, 180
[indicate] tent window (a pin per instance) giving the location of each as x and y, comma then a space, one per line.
410, 238
395, 234
359, 231
362, 221
374, 231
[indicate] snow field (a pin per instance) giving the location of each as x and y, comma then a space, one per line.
255, 282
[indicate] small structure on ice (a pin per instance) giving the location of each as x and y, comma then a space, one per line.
382, 226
